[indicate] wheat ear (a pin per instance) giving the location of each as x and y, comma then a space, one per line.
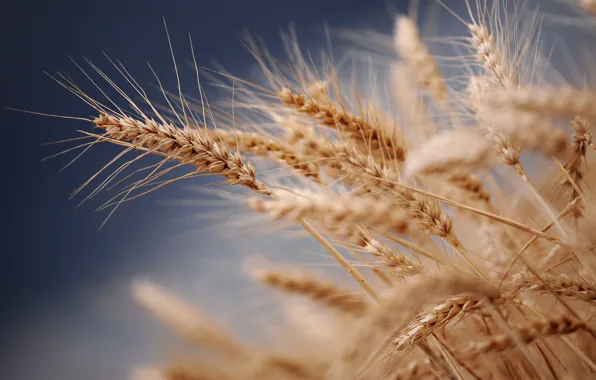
333, 116
417, 57
425, 211
396, 261
334, 210
472, 185
185, 320
306, 285
189, 146
582, 139
433, 319
531, 129
588, 5
553, 101
478, 90
370, 338
448, 151
267, 147
559, 284
526, 334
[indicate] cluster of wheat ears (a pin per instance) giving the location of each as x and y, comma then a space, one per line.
467, 264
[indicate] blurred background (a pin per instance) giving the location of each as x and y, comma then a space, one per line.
64, 284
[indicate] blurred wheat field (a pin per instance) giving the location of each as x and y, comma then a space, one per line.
454, 190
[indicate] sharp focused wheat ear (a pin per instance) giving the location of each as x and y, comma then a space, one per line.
268, 148
425, 211
189, 146
332, 116
487, 53
430, 320
397, 262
